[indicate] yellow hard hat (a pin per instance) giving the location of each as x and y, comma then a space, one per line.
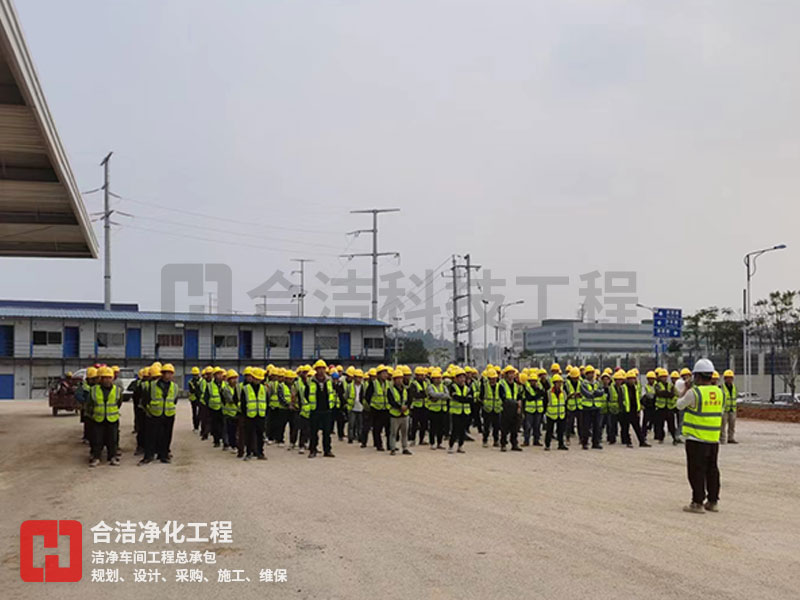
358, 373
588, 369
436, 373
491, 373
156, 364
168, 368
398, 372
258, 373
380, 368
675, 374
105, 372
533, 375
291, 374
606, 374
523, 378
728, 373
420, 371
155, 371
230, 373
619, 374
555, 368
91, 372
208, 369
141, 373
372, 372
685, 371
574, 372
635, 370
405, 369
350, 370
631, 373
219, 370
456, 371
145, 371
608, 371
715, 375
556, 378
247, 371
320, 364
651, 375
115, 369
195, 371
509, 369
661, 371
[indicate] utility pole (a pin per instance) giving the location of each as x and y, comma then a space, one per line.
107, 234
467, 266
455, 310
374, 254
302, 295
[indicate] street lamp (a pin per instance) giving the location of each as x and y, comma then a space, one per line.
750, 267
657, 340
485, 338
500, 320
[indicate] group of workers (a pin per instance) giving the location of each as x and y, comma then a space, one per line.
399, 406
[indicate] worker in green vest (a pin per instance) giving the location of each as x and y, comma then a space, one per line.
533, 407
304, 413
592, 399
254, 399
491, 406
103, 409
730, 394
572, 388
397, 397
631, 407
353, 398
556, 412
230, 409
205, 413
618, 392
213, 398
436, 401
379, 406
322, 400
416, 398
508, 393
192, 386
139, 419
459, 408
160, 413
703, 404
664, 392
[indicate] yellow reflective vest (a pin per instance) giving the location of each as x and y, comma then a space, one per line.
104, 408
703, 422
161, 404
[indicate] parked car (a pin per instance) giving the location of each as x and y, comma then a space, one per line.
787, 399
750, 398
125, 378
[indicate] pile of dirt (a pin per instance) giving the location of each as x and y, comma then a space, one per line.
769, 413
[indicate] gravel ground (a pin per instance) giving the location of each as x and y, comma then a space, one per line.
598, 524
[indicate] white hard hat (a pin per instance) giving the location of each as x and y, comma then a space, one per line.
703, 366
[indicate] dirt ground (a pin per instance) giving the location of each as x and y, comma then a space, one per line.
597, 524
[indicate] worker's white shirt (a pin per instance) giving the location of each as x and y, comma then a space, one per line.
357, 406
686, 396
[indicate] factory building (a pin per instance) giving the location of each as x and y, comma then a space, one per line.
39, 341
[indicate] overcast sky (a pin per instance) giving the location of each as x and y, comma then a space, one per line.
544, 138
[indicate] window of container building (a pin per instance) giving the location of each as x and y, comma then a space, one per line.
277, 341
373, 343
46, 338
169, 340
328, 342
225, 341
105, 339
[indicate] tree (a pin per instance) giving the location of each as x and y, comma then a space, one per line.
440, 356
776, 324
413, 352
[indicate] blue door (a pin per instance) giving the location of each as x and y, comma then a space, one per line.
133, 343
344, 344
6, 340
186, 379
72, 342
296, 345
246, 344
190, 343
6, 387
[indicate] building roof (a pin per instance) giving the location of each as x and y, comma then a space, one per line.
65, 304
17, 312
41, 210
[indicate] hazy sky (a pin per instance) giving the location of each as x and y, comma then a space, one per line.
545, 138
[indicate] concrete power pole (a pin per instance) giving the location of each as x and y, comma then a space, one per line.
454, 268
374, 254
469, 266
106, 235
301, 296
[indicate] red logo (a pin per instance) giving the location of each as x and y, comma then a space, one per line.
50, 530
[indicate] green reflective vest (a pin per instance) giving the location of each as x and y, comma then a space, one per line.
256, 401
419, 397
627, 399
534, 403
672, 401
573, 388
273, 394
104, 408
160, 404
511, 392
459, 403
378, 399
302, 390
703, 422
617, 395
349, 394
400, 396
230, 404
214, 396
491, 399
436, 404
201, 390
193, 386
556, 405
312, 395
730, 397
588, 402
659, 388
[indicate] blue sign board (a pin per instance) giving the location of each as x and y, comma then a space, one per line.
667, 322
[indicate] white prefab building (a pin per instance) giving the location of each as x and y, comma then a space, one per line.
39, 341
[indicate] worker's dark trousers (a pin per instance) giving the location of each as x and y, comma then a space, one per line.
366, 427
533, 424
294, 427
205, 421
459, 429
628, 420
491, 420
701, 466
231, 423
321, 421
169, 425
140, 422
612, 426
664, 415
215, 425
477, 415
380, 423
276, 424
648, 419
241, 435
591, 426
559, 425
104, 435
572, 418
195, 415
419, 423
436, 427
250, 435
509, 425
340, 418
354, 425
258, 446
304, 425
155, 439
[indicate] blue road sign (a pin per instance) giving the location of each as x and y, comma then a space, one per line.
667, 322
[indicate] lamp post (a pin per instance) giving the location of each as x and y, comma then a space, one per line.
485, 338
750, 268
658, 340
500, 320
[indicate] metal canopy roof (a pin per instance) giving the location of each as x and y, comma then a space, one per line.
16, 312
41, 210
